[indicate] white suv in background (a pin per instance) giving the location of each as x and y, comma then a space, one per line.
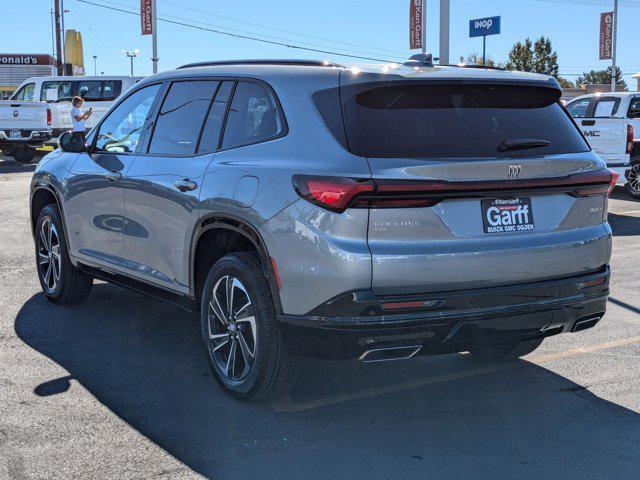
611, 124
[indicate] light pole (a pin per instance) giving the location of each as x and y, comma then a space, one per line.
615, 39
131, 56
95, 70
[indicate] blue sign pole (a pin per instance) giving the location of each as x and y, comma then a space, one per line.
481, 27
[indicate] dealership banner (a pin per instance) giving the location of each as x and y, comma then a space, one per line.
146, 16
415, 24
606, 35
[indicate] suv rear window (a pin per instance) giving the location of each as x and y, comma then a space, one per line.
455, 121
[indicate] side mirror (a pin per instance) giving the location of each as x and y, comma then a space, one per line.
71, 143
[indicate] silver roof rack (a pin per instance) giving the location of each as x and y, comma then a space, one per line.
306, 63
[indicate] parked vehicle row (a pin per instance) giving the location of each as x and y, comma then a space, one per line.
611, 124
310, 209
40, 109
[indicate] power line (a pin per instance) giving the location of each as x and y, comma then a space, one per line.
236, 35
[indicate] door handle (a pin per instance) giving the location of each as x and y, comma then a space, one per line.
113, 176
588, 123
185, 185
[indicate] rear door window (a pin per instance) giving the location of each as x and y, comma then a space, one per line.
91, 91
215, 119
56, 91
253, 116
456, 120
26, 93
181, 117
111, 90
606, 107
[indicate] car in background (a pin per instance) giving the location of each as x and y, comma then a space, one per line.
372, 213
99, 93
25, 125
611, 124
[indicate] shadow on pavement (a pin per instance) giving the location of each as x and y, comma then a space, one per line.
11, 166
144, 361
624, 225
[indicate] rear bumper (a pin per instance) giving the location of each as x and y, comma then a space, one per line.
353, 324
29, 137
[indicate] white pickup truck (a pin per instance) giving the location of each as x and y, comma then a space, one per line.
611, 124
24, 126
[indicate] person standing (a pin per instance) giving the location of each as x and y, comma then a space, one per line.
78, 117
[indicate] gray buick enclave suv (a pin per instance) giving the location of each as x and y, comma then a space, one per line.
305, 208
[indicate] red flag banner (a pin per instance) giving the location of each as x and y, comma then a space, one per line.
606, 35
415, 24
146, 17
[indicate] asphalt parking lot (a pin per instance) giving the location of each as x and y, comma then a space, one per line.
119, 387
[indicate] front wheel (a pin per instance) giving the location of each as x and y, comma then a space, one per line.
505, 351
246, 350
61, 282
633, 181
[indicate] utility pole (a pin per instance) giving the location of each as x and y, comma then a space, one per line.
615, 39
154, 39
424, 26
63, 38
59, 59
445, 17
131, 56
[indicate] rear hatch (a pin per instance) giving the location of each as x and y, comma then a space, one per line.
477, 185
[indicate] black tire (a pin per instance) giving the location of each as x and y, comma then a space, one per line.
271, 368
633, 179
24, 154
71, 285
505, 351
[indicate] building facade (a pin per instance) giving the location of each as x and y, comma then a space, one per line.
17, 67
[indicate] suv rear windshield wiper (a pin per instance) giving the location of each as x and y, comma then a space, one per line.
522, 144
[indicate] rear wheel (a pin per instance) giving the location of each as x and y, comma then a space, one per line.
24, 154
505, 351
61, 282
247, 353
633, 180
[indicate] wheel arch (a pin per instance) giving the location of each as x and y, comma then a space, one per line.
41, 195
230, 223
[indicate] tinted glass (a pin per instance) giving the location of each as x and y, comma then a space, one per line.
452, 121
90, 91
578, 108
180, 119
111, 89
215, 118
634, 108
120, 131
253, 116
56, 91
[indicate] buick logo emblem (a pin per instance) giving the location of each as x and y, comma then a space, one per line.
514, 170
16, 113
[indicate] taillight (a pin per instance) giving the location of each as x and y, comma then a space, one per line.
48, 116
332, 193
629, 138
614, 178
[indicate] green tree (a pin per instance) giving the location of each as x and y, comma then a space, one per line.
538, 57
564, 83
601, 76
475, 58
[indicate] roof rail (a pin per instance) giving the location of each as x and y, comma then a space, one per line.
465, 65
307, 63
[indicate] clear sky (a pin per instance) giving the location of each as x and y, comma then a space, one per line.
373, 28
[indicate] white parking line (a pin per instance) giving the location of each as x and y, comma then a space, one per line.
286, 403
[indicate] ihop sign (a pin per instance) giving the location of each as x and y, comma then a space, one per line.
481, 27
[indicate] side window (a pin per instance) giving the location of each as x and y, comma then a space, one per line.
26, 93
213, 125
55, 91
253, 116
90, 91
120, 131
605, 107
634, 108
180, 119
578, 108
111, 89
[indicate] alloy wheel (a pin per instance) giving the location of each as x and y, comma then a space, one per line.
634, 178
49, 258
232, 329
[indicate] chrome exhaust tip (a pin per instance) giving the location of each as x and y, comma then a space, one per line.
586, 322
386, 354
